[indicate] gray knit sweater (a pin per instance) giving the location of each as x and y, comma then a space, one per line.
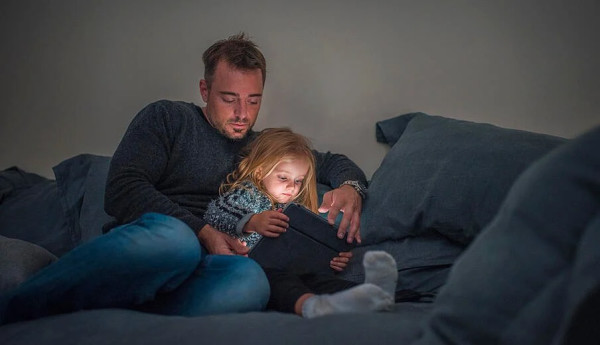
232, 210
172, 161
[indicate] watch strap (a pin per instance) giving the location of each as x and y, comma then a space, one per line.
358, 186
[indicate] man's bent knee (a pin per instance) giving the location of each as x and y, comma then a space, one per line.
255, 285
161, 238
236, 282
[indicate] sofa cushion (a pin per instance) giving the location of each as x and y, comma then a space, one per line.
444, 175
119, 326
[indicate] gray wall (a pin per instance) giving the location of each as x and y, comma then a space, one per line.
74, 73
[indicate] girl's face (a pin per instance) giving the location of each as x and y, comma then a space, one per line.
285, 181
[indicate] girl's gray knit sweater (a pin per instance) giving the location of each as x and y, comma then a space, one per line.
232, 210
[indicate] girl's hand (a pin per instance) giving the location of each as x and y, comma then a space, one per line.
340, 262
267, 223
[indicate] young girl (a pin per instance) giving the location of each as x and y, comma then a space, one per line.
278, 167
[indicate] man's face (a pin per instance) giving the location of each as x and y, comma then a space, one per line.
233, 100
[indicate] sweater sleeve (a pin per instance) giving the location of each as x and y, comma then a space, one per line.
333, 169
239, 228
229, 209
136, 167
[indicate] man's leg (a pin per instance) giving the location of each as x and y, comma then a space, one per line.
127, 266
221, 284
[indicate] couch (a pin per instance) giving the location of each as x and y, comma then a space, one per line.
501, 225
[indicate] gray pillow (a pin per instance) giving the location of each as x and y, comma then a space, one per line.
444, 175
19, 260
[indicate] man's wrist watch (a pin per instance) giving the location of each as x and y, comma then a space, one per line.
358, 187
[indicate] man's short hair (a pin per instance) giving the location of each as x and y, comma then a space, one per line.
237, 50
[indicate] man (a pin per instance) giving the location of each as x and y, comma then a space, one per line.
207, 142
163, 257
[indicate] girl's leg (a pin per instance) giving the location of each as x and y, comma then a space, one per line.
377, 293
288, 288
312, 295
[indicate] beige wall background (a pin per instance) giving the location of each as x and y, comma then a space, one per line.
74, 73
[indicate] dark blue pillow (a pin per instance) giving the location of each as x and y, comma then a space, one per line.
521, 280
81, 183
30, 211
444, 176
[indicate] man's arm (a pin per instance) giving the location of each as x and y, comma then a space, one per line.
217, 242
334, 170
139, 163
136, 167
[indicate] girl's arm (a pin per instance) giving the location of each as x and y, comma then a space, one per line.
267, 223
239, 204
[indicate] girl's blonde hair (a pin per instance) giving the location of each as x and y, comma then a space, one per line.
259, 158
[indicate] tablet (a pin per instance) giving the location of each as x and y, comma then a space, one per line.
307, 246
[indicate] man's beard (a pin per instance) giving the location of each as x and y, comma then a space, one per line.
226, 135
244, 132
223, 129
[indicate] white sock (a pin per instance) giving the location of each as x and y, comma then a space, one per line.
380, 269
359, 299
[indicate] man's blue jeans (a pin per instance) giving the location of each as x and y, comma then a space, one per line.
153, 264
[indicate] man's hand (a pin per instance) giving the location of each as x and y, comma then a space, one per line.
267, 223
340, 262
217, 242
346, 200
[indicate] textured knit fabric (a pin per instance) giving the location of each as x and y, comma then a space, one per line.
172, 161
225, 213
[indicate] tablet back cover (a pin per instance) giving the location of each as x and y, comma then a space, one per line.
308, 245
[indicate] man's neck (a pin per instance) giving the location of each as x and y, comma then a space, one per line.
204, 113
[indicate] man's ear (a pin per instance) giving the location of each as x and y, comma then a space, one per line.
204, 90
